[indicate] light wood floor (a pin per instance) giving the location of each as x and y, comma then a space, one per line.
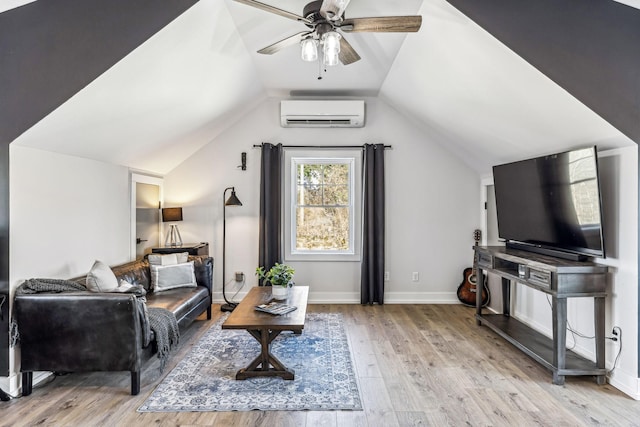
416, 365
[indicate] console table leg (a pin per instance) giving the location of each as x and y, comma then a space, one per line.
479, 280
506, 296
558, 379
559, 314
599, 314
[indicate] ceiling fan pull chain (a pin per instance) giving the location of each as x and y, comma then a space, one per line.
319, 69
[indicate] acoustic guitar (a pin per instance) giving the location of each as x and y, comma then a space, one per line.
468, 288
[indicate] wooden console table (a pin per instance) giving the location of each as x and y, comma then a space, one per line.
561, 279
201, 248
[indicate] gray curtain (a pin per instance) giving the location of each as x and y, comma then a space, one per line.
270, 243
373, 239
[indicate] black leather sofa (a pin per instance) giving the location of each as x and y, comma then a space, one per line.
88, 331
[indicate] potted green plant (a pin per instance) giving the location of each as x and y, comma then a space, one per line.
280, 276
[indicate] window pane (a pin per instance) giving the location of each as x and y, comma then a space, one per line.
336, 195
322, 228
309, 195
309, 174
336, 174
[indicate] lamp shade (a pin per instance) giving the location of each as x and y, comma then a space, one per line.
171, 214
233, 200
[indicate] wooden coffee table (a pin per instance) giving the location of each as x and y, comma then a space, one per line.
265, 327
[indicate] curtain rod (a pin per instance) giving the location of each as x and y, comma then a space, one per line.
333, 147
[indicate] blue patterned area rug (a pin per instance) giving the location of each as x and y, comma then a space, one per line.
205, 379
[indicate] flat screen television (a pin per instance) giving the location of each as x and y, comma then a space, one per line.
551, 204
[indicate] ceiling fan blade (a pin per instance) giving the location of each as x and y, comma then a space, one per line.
289, 41
273, 9
348, 54
383, 24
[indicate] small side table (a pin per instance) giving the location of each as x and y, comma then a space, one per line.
201, 248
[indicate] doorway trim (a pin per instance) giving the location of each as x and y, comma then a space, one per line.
485, 182
136, 178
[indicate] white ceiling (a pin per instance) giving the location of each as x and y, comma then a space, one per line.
197, 76
285, 71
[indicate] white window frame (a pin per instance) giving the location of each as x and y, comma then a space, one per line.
296, 157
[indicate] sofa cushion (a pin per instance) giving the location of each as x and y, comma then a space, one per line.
180, 301
101, 278
165, 277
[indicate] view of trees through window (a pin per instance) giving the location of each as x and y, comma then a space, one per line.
323, 206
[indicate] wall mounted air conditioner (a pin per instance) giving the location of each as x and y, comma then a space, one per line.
322, 113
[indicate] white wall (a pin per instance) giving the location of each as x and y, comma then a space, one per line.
432, 200
619, 179
66, 212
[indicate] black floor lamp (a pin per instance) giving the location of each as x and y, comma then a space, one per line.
231, 201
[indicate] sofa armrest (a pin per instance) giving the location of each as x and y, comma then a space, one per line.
203, 266
79, 331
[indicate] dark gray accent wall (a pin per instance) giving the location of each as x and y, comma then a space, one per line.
4, 259
49, 51
589, 47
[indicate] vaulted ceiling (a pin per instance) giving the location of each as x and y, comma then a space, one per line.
198, 75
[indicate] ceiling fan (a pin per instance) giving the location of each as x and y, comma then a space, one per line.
324, 18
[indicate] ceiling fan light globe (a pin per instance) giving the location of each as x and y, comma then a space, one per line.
333, 10
331, 41
342, 5
309, 50
330, 58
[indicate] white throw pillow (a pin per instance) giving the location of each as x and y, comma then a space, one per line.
124, 286
101, 278
165, 277
169, 259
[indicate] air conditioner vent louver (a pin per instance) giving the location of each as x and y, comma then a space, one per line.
321, 113
293, 122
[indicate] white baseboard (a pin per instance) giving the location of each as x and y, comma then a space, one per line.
354, 297
11, 384
626, 383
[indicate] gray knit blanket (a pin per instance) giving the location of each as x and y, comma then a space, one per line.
35, 286
161, 321
165, 327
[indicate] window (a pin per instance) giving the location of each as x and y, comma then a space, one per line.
323, 220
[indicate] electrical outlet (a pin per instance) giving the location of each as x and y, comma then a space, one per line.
386, 276
239, 276
415, 276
